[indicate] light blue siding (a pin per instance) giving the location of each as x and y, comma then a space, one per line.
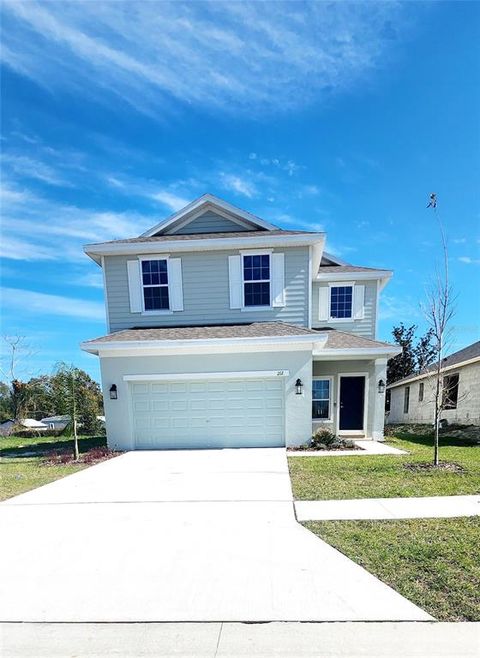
209, 222
206, 292
365, 327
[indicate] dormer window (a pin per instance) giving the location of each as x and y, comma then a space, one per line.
155, 285
256, 280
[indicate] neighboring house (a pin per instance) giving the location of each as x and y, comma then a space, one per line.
56, 422
226, 331
412, 400
9, 426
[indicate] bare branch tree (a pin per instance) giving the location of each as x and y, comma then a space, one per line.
16, 351
439, 310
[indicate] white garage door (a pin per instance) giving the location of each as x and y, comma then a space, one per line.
217, 413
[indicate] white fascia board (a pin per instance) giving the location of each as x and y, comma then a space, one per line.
352, 275
188, 376
245, 343
356, 353
432, 373
96, 251
204, 200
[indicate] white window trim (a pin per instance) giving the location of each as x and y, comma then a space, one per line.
340, 284
330, 399
256, 252
164, 311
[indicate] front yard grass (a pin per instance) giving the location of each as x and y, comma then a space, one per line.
432, 562
23, 462
385, 476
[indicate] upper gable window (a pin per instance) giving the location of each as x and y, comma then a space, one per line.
341, 302
256, 280
155, 285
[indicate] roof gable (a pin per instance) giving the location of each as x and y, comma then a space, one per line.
212, 206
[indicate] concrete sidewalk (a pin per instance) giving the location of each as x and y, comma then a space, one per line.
436, 507
227, 640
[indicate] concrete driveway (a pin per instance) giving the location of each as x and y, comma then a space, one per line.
179, 536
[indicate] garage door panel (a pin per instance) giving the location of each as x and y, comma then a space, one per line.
210, 413
159, 388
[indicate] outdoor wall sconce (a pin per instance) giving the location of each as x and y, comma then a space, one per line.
113, 392
381, 386
299, 387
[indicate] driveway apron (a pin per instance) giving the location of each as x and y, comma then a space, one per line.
188, 536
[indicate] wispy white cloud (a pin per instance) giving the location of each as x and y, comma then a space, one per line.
38, 303
90, 280
17, 249
30, 168
469, 261
238, 184
37, 228
170, 200
398, 309
231, 55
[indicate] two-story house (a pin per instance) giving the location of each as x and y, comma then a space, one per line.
226, 331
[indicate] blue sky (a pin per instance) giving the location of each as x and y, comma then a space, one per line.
340, 117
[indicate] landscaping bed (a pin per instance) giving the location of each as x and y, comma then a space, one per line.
432, 562
390, 476
26, 464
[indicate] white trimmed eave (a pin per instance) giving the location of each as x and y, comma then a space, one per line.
207, 200
351, 353
204, 345
426, 375
96, 251
382, 275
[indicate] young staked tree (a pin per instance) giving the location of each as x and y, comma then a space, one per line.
439, 311
76, 394
66, 395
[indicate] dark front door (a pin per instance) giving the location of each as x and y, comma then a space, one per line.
352, 398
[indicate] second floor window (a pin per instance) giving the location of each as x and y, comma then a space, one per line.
155, 285
341, 302
256, 280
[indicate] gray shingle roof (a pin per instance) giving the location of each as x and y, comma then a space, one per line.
466, 354
336, 339
207, 236
252, 330
343, 340
327, 269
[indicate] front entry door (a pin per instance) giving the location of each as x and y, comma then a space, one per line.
352, 403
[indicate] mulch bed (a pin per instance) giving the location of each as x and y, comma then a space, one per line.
424, 467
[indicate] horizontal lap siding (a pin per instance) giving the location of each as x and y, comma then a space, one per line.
365, 327
206, 292
210, 223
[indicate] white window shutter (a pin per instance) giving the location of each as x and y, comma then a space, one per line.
235, 281
175, 284
278, 279
323, 303
134, 286
358, 302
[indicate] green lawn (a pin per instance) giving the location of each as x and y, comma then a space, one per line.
433, 562
385, 476
23, 462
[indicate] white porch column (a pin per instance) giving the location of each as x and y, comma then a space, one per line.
378, 419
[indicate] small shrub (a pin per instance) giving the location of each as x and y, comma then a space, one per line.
322, 436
